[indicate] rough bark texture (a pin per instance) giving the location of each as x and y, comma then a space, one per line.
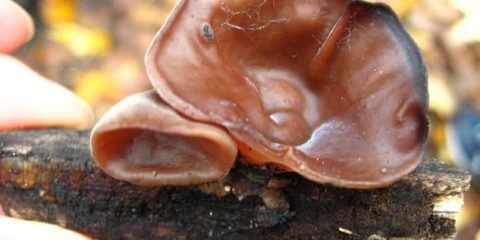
49, 175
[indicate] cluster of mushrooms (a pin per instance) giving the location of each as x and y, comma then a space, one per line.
334, 90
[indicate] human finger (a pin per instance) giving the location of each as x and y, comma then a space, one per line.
16, 229
28, 100
16, 26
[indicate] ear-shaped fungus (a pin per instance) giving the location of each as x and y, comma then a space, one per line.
143, 141
332, 89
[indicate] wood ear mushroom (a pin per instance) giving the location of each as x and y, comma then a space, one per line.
334, 90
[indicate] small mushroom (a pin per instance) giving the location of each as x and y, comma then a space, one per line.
334, 90
143, 141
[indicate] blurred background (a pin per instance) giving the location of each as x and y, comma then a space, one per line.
96, 49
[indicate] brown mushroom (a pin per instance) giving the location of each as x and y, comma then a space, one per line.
334, 90
143, 141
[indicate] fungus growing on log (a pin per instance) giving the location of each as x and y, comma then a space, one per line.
144, 141
333, 90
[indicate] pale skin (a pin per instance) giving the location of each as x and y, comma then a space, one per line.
28, 100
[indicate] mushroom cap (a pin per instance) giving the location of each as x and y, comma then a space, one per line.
332, 89
143, 141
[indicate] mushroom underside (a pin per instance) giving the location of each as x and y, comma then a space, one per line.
157, 146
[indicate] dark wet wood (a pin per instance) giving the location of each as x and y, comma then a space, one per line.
48, 175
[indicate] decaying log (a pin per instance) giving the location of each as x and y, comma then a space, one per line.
48, 175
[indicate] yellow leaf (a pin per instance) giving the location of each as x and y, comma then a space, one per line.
442, 100
171, 3
81, 41
58, 10
401, 7
95, 86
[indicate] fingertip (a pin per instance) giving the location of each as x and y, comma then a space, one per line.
16, 26
11, 229
28, 100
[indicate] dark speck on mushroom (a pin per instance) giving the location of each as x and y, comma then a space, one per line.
208, 32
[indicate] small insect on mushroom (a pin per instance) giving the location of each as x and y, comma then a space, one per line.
350, 109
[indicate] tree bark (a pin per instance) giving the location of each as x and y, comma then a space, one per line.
49, 175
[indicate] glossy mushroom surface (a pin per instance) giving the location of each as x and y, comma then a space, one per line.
332, 89
143, 141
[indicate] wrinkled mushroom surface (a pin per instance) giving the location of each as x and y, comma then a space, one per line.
332, 89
